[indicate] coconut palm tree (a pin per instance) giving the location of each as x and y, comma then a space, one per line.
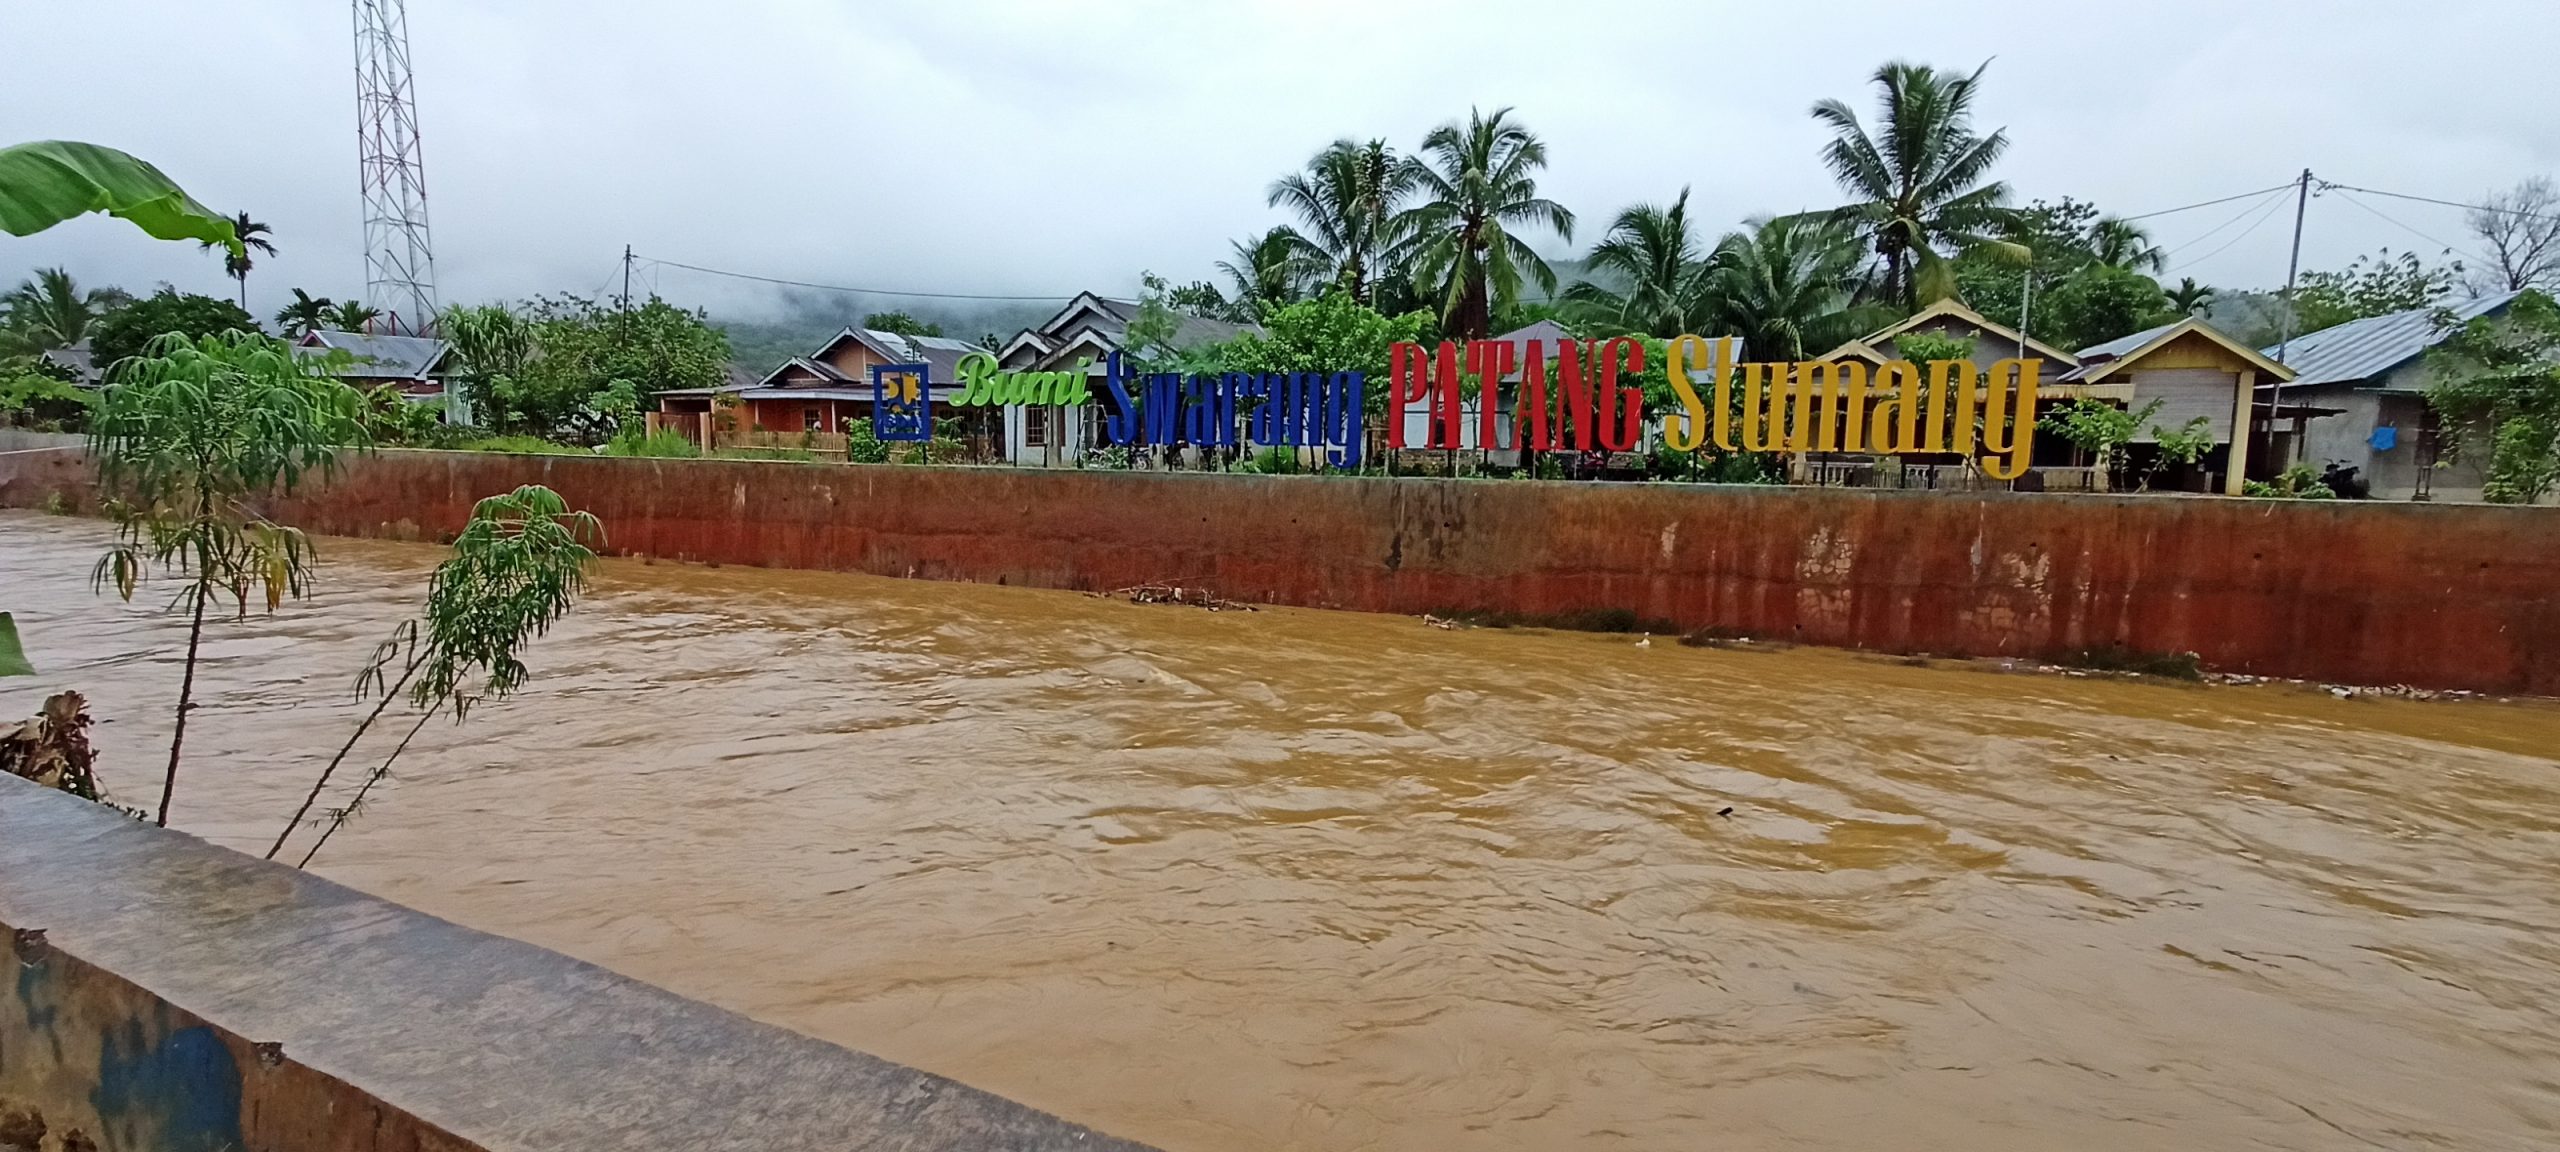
1346, 201
1461, 241
353, 316
236, 261
1921, 189
307, 313
1269, 271
1787, 287
50, 311
2191, 298
1653, 257
2123, 244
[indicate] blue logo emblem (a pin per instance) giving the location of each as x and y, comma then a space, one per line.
902, 402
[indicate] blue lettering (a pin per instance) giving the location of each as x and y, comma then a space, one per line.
1121, 423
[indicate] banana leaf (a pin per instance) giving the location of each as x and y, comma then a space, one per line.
50, 181
13, 659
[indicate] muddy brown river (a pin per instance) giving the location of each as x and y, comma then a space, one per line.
1304, 880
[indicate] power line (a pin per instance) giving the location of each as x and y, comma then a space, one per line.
2209, 233
2327, 184
2209, 203
2265, 212
2386, 218
853, 291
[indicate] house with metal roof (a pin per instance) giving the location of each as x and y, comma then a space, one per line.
1992, 340
420, 367
1085, 332
2373, 373
79, 362
2200, 377
817, 397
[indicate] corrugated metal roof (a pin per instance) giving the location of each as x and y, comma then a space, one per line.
395, 357
2124, 344
2364, 350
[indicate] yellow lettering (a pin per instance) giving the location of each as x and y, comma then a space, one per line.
1826, 435
1894, 429
1686, 429
1762, 403
1728, 350
2009, 429
1799, 386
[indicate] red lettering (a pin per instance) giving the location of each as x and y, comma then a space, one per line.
1529, 409
1448, 426
1574, 382
1489, 361
1408, 379
1621, 406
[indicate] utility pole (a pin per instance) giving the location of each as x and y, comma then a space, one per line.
626, 278
2026, 303
2293, 273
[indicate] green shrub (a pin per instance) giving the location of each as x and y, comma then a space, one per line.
1273, 462
663, 444
44, 403
861, 446
2296, 483
519, 445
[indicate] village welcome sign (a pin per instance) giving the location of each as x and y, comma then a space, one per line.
1580, 398
1203, 409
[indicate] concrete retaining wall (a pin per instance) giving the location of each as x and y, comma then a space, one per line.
172, 996
2442, 596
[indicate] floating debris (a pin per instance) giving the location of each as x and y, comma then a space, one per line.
1176, 594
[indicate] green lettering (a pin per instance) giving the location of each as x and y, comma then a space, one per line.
1077, 387
977, 379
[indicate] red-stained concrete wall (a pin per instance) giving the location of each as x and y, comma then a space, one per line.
2439, 596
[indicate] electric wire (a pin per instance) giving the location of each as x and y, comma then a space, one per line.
2387, 218
855, 291
2208, 203
2328, 184
2237, 217
2264, 214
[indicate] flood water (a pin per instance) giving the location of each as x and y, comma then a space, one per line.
1303, 880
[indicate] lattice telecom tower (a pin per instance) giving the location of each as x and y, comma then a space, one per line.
399, 264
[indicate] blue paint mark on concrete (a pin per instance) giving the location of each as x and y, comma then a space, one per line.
32, 988
179, 1095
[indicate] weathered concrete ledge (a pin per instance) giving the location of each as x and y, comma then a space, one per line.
175, 996
2359, 592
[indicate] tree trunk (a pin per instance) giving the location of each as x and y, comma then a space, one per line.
186, 693
388, 695
376, 777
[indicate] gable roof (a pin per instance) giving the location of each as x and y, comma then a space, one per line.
940, 353
77, 359
2099, 361
384, 357
1871, 345
823, 371
1109, 312
2367, 349
1106, 320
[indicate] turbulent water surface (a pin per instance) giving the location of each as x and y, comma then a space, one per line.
1299, 880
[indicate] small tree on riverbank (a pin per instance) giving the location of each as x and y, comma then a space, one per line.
188, 435
516, 568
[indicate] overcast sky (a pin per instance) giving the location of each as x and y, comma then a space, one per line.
1020, 146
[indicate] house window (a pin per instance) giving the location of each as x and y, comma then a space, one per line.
809, 420
1035, 426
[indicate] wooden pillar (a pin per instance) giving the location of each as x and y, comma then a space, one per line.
2243, 410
